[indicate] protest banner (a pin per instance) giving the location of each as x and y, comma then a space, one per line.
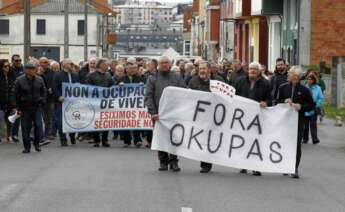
222, 88
90, 108
234, 132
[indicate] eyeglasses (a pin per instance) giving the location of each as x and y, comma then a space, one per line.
18, 60
6, 66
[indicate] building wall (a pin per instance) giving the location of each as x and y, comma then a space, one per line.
54, 36
305, 33
328, 30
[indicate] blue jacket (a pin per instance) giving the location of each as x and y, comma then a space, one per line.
317, 97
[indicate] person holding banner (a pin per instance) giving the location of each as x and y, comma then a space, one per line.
154, 90
132, 77
299, 97
66, 75
30, 94
254, 87
100, 77
237, 72
202, 83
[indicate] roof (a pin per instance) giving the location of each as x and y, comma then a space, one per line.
57, 6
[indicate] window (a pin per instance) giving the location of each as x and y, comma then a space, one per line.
40, 26
4, 27
81, 29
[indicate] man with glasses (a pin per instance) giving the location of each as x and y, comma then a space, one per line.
18, 70
154, 90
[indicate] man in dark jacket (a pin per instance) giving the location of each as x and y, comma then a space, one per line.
100, 77
66, 75
132, 77
202, 83
88, 68
31, 94
18, 70
237, 72
48, 114
154, 89
151, 67
299, 97
279, 77
254, 87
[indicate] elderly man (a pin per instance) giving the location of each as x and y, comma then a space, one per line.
55, 66
102, 78
132, 77
201, 82
90, 67
154, 89
255, 87
48, 115
30, 94
237, 72
66, 75
300, 98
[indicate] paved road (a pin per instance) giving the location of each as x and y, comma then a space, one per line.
83, 178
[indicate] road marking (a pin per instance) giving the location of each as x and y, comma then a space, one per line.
183, 209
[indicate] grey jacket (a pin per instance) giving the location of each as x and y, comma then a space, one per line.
155, 86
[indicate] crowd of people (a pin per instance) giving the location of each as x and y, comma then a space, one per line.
34, 91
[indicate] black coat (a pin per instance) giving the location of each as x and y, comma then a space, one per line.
99, 79
59, 78
235, 76
30, 93
18, 71
135, 79
6, 90
48, 77
260, 92
196, 83
301, 95
277, 80
82, 75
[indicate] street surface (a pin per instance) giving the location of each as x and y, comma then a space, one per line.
83, 178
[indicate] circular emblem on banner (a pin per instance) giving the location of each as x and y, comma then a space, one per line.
79, 114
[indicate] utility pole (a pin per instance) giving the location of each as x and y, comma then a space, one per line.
27, 29
85, 30
98, 34
66, 30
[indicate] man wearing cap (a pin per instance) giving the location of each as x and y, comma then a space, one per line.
66, 75
100, 77
154, 90
132, 77
30, 95
300, 98
255, 87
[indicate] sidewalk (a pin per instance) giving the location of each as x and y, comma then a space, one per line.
330, 135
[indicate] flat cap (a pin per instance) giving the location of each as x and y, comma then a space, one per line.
30, 66
131, 60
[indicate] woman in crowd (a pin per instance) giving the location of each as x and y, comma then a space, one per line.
311, 116
7, 79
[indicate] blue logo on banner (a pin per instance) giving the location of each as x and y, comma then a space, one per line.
79, 114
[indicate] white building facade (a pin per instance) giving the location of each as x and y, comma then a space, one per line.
47, 32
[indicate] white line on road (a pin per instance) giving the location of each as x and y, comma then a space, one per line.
183, 209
